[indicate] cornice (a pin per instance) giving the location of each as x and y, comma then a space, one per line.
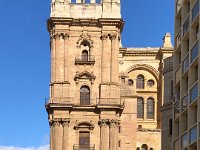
143, 51
51, 22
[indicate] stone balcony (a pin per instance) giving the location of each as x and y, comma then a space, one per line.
83, 147
70, 102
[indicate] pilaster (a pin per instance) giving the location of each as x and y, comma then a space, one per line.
57, 134
105, 70
113, 124
66, 138
104, 140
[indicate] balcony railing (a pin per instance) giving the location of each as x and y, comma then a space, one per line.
194, 52
194, 93
85, 60
186, 25
178, 38
195, 10
184, 141
90, 102
193, 134
185, 64
184, 102
177, 110
110, 101
83, 147
178, 75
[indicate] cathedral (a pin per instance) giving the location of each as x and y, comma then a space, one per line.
102, 96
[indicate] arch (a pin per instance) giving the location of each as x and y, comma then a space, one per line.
140, 82
150, 108
144, 147
146, 67
140, 107
84, 55
84, 95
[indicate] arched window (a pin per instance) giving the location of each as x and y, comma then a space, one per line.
85, 95
84, 55
150, 108
140, 107
144, 147
140, 82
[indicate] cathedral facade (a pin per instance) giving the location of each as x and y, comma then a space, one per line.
102, 96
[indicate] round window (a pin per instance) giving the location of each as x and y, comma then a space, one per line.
130, 82
150, 83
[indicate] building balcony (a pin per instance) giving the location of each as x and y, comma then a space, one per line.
186, 25
185, 64
178, 74
178, 38
193, 134
194, 52
194, 93
98, 102
195, 10
83, 147
184, 102
82, 60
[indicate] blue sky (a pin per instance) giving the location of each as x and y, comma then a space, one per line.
24, 61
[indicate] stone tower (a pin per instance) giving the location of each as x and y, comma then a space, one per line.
85, 107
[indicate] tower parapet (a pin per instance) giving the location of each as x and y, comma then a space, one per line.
93, 9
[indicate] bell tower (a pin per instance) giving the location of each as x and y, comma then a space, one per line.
85, 107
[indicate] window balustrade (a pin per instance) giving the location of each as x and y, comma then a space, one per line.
184, 102
194, 93
83, 59
194, 52
185, 64
186, 25
195, 10
184, 141
193, 134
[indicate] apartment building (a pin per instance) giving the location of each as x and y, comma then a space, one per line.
186, 62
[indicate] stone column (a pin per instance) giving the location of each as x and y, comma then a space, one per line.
65, 124
51, 135
104, 63
114, 59
57, 46
52, 58
57, 134
66, 57
104, 140
113, 134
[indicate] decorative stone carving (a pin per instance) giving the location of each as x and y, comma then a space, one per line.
56, 122
103, 122
84, 74
114, 123
65, 36
65, 122
85, 37
84, 125
104, 37
112, 37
